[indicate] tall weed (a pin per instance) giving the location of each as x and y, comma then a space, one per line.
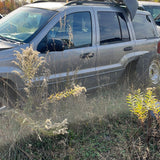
147, 109
36, 113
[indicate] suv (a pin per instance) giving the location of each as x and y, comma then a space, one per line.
97, 41
153, 8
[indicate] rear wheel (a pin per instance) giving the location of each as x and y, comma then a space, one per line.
148, 72
154, 72
3, 104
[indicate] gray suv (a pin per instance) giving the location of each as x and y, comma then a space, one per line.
153, 8
93, 43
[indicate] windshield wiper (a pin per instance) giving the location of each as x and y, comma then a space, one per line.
9, 40
157, 17
3, 38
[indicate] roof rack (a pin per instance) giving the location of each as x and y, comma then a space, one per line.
131, 5
103, 2
81, 2
39, 1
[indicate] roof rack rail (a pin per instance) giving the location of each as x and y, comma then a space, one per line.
131, 5
39, 1
108, 2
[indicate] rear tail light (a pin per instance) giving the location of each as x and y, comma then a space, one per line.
158, 47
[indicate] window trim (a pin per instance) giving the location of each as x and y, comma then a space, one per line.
129, 38
85, 45
155, 35
81, 46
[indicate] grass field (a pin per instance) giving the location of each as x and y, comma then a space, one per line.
100, 127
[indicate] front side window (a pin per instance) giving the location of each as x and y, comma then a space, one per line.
143, 27
113, 27
22, 24
72, 31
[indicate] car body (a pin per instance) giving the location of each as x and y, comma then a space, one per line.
153, 8
87, 49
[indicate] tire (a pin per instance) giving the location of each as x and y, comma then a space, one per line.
148, 72
8, 97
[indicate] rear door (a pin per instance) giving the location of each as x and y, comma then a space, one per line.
146, 43
115, 44
145, 34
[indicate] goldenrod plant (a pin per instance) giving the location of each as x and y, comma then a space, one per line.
48, 127
146, 107
140, 103
37, 115
137, 105
75, 91
29, 63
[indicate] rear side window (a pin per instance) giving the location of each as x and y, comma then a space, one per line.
113, 28
123, 28
143, 27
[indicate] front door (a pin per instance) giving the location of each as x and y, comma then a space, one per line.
76, 61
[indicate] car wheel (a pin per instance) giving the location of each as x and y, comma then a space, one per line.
148, 72
3, 104
7, 98
154, 72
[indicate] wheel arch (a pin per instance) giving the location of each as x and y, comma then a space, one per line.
8, 82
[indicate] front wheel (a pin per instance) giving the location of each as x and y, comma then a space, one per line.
7, 98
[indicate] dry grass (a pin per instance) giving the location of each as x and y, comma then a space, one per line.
100, 127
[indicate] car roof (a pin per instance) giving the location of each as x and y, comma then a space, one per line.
58, 5
149, 3
47, 5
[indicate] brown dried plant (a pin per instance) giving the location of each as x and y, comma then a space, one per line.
29, 63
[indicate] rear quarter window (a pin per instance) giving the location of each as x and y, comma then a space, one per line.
143, 27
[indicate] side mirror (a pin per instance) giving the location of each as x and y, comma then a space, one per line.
50, 45
55, 45
157, 22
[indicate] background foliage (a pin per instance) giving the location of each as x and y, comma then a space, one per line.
7, 6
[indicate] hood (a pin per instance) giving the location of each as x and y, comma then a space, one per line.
6, 45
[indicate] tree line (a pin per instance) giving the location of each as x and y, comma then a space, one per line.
7, 6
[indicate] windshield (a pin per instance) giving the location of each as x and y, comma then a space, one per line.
22, 24
154, 10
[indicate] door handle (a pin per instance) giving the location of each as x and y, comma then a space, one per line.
128, 48
86, 55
